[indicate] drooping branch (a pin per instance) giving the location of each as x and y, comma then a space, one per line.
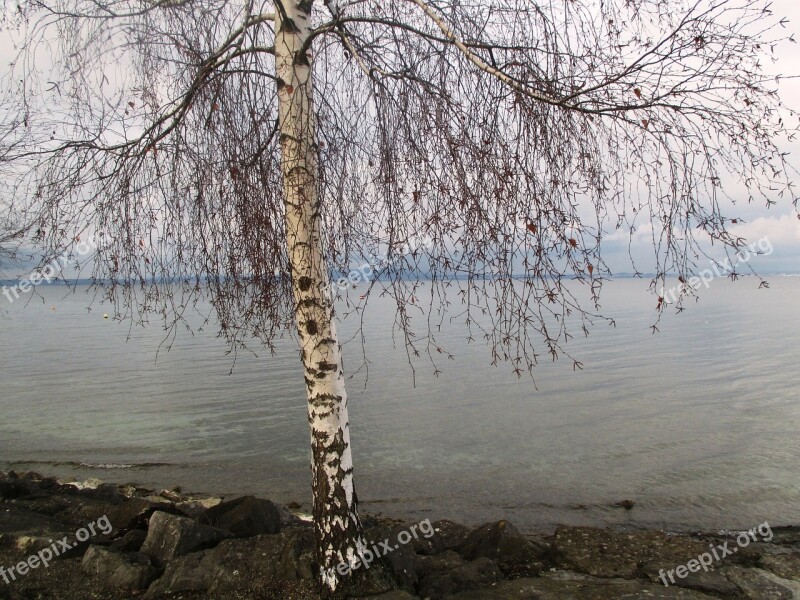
486, 149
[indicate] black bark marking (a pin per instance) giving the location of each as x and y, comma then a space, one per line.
301, 59
327, 341
311, 327
336, 520
304, 283
318, 414
288, 25
329, 400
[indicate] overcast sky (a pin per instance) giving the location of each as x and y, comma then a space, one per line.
780, 224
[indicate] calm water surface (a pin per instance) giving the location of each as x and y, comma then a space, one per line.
697, 424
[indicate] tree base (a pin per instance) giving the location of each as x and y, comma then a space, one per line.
364, 582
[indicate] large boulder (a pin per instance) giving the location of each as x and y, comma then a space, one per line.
249, 567
572, 586
15, 488
402, 560
786, 565
296, 560
235, 563
17, 520
787, 536
169, 536
129, 572
26, 486
479, 573
438, 563
130, 542
447, 535
711, 582
631, 554
245, 517
756, 584
131, 513
516, 555
104, 492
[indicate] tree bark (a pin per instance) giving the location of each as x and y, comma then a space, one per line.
339, 534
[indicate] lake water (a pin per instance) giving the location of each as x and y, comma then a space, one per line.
698, 425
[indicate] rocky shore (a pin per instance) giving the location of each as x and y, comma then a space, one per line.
77, 541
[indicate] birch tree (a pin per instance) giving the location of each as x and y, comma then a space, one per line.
468, 157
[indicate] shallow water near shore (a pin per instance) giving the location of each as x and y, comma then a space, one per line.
698, 424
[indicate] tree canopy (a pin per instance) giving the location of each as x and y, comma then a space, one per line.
458, 140
474, 152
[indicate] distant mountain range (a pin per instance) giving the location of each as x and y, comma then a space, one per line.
644, 276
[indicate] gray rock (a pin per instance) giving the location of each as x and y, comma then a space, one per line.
17, 520
105, 492
169, 536
130, 542
607, 553
236, 562
245, 517
479, 573
574, 586
516, 555
402, 560
438, 563
787, 536
297, 557
188, 573
447, 536
26, 545
129, 572
131, 513
196, 508
170, 495
711, 582
783, 565
26, 485
51, 506
756, 585
393, 595
748, 556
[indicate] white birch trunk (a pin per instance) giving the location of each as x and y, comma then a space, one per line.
339, 535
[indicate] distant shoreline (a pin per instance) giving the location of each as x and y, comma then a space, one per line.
642, 276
